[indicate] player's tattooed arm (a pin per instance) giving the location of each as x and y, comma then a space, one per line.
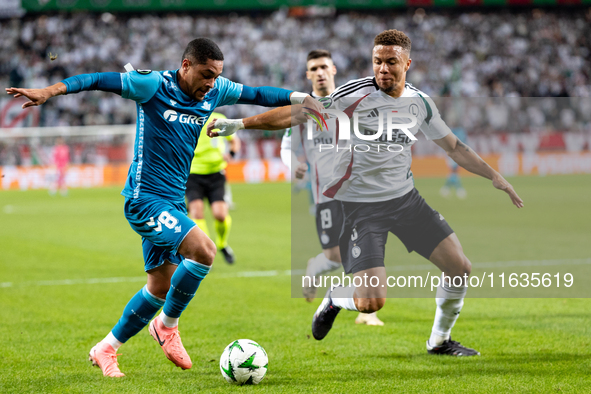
38, 96
468, 159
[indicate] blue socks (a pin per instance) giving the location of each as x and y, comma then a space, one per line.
183, 285
137, 314
143, 306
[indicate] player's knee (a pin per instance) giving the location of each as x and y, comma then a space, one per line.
461, 266
466, 266
369, 305
209, 252
220, 216
204, 253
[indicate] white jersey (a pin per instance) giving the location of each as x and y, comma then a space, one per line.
378, 169
320, 164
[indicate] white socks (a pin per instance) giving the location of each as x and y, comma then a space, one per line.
170, 322
449, 300
111, 340
343, 297
321, 265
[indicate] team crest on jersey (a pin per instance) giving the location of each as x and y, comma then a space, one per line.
414, 109
356, 251
325, 101
324, 238
144, 71
206, 106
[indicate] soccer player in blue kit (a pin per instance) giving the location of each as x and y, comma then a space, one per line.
172, 107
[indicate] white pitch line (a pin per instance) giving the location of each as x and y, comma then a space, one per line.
271, 273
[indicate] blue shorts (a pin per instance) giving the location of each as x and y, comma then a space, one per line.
162, 224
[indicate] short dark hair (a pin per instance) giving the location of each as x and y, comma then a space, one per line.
318, 53
200, 50
393, 37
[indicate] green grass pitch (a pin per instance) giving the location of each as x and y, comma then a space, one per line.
48, 325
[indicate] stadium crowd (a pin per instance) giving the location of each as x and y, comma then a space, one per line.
527, 53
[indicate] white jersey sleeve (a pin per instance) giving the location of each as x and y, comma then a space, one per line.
433, 127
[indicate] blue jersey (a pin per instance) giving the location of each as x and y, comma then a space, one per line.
168, 126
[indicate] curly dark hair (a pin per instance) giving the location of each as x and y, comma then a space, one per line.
200, 50
393, 37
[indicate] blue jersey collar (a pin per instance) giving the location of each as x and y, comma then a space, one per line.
176, 81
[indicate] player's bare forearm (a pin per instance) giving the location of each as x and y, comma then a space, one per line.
38, 96
468, 159
275, 119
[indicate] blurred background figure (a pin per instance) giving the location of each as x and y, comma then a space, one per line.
61, 160
453, 181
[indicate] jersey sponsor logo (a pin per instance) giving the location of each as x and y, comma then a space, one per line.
356, 251
322, 140
171, 116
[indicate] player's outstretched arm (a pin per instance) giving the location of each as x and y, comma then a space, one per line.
108, 82
38, 96
275, 119
468, 159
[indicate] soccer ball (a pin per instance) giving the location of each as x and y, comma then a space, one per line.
244, 362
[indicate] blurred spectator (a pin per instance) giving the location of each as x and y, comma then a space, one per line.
527, 53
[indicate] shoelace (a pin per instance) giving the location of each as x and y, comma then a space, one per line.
454, 346
175, 344
109, 368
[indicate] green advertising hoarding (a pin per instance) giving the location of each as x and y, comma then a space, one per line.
229, 5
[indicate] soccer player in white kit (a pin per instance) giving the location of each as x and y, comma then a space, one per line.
321, 71
377, 190
376, 186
